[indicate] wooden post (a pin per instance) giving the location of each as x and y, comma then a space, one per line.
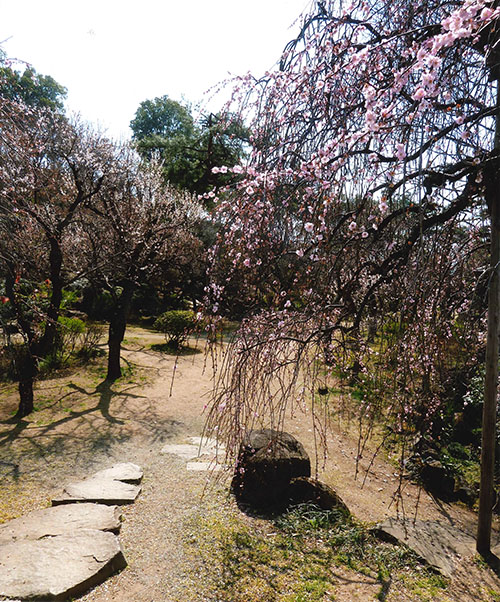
483, 543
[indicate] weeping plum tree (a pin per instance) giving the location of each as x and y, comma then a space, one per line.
365, 206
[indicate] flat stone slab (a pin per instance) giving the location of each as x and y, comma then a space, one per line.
439, 545
203, 466
99, 490
196, 448
57, 568
125, 471
61, 520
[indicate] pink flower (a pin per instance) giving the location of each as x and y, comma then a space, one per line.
486, 13
400, 151
371, 121
427, 79
247, 262
353, 226
433, 61
419, 94
308, 227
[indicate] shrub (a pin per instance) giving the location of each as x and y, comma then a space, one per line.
75, 340
176, 325
90, 340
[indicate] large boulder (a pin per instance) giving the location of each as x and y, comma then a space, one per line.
267, 461
437, 480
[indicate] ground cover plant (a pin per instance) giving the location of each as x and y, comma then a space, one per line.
302, 554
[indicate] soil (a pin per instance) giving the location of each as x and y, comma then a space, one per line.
83, 424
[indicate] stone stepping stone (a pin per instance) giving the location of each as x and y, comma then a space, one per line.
203, 466
61, 520
196, 448
98, 490
439, 545
125, 471
59, 567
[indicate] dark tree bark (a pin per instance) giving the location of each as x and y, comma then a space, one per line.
49, 336
27, 370
117, 326
26, 359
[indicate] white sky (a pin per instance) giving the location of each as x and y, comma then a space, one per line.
113, 54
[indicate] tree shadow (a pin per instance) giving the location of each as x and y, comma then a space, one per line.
106, 394
10, 435
12, 469
493, 561
169, 349
82, 435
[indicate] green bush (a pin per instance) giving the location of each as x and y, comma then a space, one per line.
176, 325
69, 333
75, 341
89, 342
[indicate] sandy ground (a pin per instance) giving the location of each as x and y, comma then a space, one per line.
83, 424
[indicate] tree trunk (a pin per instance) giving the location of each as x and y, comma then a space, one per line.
117, 326
483, 543
25, 398
50, 333
27, 369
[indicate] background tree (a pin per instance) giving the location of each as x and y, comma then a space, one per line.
136, 231
375, 167
50, 170
188, 150
30, 87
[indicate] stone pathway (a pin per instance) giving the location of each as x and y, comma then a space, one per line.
59, 552
201, 453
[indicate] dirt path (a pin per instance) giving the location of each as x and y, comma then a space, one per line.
83, 425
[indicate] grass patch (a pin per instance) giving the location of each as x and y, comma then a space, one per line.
299, 556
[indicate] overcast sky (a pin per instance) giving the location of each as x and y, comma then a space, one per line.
113, 54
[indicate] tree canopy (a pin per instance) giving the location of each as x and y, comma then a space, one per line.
161, 117
30, 87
